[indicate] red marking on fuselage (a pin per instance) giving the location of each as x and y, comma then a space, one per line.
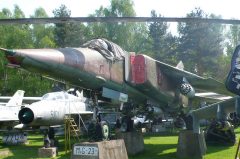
13, 60
138, 69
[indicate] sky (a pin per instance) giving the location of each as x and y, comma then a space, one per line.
167, 8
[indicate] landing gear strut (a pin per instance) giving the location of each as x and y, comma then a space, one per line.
127, 124
98, 130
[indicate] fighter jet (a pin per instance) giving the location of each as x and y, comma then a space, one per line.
49, 110
103, 70
52, 109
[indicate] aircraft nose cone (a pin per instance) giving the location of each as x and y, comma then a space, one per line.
12, 56
8, 52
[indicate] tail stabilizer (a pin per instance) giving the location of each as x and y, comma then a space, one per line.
16, 99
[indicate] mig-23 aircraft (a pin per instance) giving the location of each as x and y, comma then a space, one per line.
105, 72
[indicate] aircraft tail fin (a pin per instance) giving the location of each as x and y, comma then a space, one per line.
16, 99
180, 65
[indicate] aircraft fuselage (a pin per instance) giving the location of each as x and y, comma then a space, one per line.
89, 69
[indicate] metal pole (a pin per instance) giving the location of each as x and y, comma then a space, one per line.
236, 155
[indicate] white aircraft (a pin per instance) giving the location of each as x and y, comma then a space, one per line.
52, 108
49, 110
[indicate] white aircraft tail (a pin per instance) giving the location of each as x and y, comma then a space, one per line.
16, 99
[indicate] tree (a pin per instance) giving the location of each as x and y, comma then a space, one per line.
18, 36
14, 36
121, 33
233, 39
130, 36
163, 43
18, 13
200, 44
61, 30
42, 34
68, 34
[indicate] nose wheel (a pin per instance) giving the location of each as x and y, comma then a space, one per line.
99, 131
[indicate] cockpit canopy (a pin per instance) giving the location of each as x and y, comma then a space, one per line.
56, 96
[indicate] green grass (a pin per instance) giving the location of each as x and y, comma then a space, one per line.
163, 146
30, 151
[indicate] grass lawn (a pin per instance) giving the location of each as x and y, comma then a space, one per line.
156, 147
165, 147
30, 151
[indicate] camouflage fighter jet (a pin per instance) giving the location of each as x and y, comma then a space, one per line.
106, 72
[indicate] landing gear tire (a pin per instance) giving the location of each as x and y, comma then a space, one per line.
98, 131
105, 130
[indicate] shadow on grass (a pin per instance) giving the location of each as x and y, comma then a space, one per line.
216, 147
21, 152
152, 151
166, 150
162, 134
30, 151
159, 150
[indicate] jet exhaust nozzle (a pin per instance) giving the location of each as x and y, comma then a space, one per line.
26, 116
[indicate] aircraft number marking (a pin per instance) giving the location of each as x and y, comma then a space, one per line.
85, 151
14, 138
54, 114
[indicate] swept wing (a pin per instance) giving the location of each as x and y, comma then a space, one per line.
198, 82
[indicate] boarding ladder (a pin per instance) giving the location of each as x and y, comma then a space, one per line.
71, 130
